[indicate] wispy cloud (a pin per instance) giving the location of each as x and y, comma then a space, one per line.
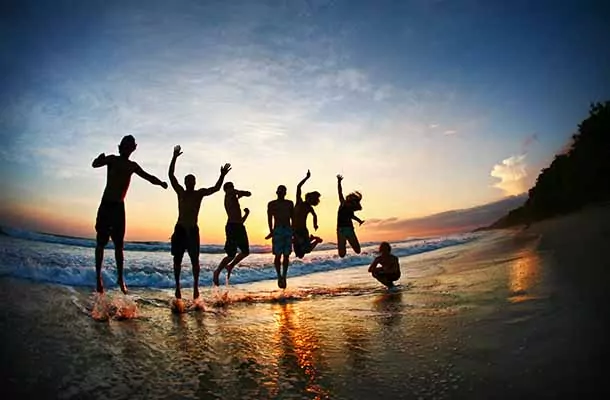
450, 132
445, 222
512, 173
529, 140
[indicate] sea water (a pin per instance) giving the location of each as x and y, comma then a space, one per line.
70, 260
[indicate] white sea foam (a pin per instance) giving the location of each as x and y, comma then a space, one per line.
73, 264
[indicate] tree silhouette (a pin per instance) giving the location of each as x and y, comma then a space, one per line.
578, 177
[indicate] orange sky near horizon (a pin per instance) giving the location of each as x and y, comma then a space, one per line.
142, 227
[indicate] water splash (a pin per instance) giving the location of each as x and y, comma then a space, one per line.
105, 307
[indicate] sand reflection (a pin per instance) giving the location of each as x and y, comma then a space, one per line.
524, 275
298, 346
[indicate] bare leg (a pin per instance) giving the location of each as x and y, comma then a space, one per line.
277, 264
383, 279
99, 257
196, 269
341, 245
177, 268
118, 253
233, 263
285, 264
220, 267
353, 241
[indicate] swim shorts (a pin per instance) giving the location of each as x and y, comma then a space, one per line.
346, 231
185, 239
110, 223
236, 238
282, 240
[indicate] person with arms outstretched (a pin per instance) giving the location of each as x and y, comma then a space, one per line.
385, 267
186, 231
110, 220
304, 243
345, 227
279, 218
235, 230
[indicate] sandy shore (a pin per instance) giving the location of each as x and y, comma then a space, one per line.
518, 313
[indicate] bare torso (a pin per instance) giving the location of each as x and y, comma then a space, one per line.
389, 263
233, 209
118, 177
301, 211
281, 211
189, 204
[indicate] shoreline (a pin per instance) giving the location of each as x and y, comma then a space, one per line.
519, 314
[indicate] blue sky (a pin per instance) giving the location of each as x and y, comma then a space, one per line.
423, 105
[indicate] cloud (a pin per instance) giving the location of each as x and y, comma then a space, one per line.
512, 173
446, 222
450, 132
432, 126
528, 142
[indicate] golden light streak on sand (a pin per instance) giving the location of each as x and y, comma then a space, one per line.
524, 274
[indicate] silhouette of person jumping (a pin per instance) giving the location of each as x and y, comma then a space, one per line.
303, 242
110, 220
345, 215
279, 217
389, 270
186, 231
236, 235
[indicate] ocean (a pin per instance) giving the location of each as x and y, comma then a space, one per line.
474, 315
70, 261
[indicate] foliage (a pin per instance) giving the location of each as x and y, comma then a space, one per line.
575, 178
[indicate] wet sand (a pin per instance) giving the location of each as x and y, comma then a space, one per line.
519, 313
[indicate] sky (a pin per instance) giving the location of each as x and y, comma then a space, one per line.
424, 106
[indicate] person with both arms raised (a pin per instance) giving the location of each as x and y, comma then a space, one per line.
186, 232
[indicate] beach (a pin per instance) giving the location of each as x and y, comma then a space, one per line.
517, 312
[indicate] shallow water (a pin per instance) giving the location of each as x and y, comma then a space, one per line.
470, 321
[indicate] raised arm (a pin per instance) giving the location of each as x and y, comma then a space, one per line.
150, 178
246, 213
172, 169
340, 189
224, 170
301, 184
100, 161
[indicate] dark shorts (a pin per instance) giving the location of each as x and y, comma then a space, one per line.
302, 243
185, 239
281, 242
236, 238
110, 223
346, 232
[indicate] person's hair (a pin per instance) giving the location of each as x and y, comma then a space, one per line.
354, 196
227, 185
127, 145
353, 200
386, 246
313, 198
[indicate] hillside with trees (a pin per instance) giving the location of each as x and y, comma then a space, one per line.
576, 178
